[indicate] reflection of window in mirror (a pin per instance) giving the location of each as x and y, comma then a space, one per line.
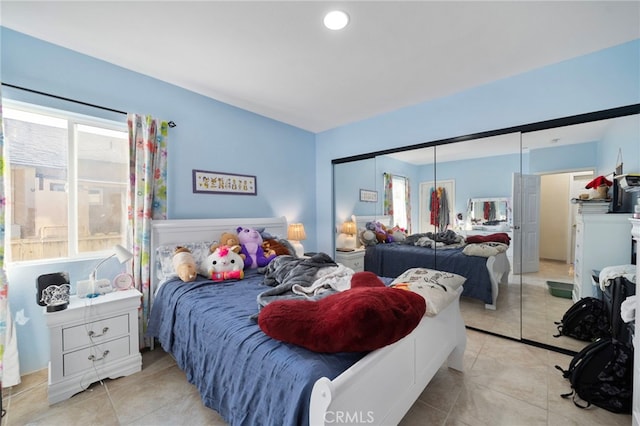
400, 201
399, 198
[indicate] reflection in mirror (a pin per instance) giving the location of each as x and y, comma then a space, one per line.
490, 214
355, 191
566, 159
537, 176
482, 171
474, 169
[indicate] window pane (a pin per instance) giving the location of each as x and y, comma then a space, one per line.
102, 187
68, 183
37, 149
399, 202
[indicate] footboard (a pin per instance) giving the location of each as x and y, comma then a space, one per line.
499, 268
380, 388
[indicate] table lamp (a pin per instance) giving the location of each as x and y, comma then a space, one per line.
93, 287
295, 234
348, 235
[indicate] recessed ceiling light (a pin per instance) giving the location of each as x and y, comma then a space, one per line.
336, 20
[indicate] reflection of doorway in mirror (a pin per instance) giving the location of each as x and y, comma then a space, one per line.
558, 214
426, 216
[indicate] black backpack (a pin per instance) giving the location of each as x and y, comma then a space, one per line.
602, 374
587, 320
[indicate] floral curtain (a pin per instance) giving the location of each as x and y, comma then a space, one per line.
387, 203
4, 285
407, 202
147, 198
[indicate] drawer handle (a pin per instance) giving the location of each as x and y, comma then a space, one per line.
93, 333
94, 359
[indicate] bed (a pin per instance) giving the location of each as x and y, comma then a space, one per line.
483, 274
250, 378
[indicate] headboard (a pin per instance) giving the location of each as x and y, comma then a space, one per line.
177, 231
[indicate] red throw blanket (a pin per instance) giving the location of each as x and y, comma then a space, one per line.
499, 237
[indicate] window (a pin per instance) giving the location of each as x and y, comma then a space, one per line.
399, 188
67, 185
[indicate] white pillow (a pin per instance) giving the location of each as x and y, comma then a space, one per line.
164, 257
438, 288
430, 276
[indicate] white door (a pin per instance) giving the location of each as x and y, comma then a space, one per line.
526, 223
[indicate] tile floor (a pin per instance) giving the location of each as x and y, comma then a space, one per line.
505, 383
532, 300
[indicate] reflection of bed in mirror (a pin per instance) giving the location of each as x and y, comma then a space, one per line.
483, 274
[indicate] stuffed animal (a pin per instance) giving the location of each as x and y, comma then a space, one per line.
224, 264
368, 238
230, 240
272, 246
184, 264
398, 234
380, 231
251, 246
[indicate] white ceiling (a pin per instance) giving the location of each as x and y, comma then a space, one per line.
276, 59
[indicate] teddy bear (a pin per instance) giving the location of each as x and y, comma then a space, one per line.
230, 240
224, 264
184, 264
251, 246
272, 246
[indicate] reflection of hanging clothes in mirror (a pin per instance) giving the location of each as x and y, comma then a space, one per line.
489, 210
439, 206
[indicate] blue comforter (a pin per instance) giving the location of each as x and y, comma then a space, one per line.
246, 376
391, 260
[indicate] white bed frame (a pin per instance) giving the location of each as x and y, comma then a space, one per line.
498, 265
381, 387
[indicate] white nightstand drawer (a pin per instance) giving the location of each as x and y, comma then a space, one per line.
94, 332
351, 259
83, 359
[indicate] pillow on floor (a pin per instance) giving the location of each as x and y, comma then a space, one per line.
355, 320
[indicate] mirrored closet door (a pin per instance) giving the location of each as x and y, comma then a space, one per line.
518, 183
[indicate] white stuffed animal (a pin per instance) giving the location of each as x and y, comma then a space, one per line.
224, 264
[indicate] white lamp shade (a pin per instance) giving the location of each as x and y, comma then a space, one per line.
122, 253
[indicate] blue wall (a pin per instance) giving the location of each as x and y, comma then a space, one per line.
211, 135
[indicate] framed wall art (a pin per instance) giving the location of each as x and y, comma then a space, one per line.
206, 182
368, 196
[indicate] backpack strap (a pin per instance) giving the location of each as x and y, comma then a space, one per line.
578, 405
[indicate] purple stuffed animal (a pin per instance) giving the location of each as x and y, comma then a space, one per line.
251, 246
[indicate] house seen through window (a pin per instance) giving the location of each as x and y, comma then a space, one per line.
67, 183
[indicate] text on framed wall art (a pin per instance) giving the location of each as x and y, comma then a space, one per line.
223, 183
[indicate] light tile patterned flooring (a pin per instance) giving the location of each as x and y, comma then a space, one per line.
504, 383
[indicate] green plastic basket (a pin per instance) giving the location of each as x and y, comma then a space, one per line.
559, 289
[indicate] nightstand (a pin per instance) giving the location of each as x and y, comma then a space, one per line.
351, 259
92, 339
